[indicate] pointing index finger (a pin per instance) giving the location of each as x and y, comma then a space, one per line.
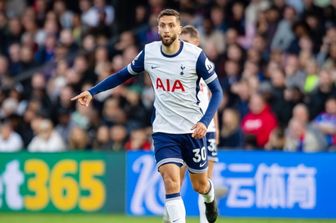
75, 98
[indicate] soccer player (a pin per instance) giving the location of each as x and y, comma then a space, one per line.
179, 124
190, 34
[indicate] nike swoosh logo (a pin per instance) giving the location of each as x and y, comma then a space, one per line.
154, 66
175, 220
202, 164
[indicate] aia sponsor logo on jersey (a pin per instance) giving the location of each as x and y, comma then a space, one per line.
169, 85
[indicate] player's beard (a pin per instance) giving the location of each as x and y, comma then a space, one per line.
169, 41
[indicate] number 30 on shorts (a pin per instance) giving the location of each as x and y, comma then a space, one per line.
199, 154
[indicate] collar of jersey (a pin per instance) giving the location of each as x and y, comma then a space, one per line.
175, 54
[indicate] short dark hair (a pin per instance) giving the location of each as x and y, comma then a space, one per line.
169, 12
191, 30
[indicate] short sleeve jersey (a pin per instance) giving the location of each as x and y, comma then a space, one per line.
176, 82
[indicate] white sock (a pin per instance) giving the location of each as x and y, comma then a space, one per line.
201, 208
210, 196
176, 210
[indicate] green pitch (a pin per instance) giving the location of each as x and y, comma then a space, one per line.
87, 218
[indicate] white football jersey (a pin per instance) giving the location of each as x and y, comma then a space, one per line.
203, 96
175, 79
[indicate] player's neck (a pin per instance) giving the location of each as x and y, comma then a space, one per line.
173, 48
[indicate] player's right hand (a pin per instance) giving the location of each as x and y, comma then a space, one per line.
83, 98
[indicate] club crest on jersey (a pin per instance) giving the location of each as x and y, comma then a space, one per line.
182, 69
169, 85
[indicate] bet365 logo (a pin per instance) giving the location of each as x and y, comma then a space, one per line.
67, 185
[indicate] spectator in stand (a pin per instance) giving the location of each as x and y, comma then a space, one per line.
91, 17
260, 121
118, 134
126, 39
237, 20
312, 78
218, 18
232, 74
208, 33
40, 9
301, 113
112, 112
14, 59
47, 51
67, 40
78, 139
327, 54
24, 127
295, 77
10, 141
133, 102
47, 138
65, 124
231, 135
9, 107
138, 141
102, 139
242, 92
277, 101
39, 91
81, 117
4, 75
62, 102
326, 122
301, 139
284, 35
324, 90
276, 140
14, 32
63, 14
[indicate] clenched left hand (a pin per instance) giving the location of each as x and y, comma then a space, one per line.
199, 130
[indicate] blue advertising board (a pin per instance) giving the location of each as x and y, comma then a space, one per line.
248, 184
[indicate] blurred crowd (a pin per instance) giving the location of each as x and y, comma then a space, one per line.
275, 59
